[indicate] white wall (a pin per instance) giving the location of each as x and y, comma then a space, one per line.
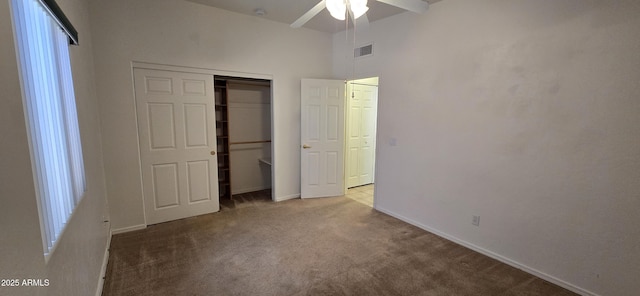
74, 268
249, 120
178, 32
523, 112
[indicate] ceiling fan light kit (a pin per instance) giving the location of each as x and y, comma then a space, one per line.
338, 8
356, 8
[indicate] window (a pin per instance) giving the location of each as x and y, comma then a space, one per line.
50, 113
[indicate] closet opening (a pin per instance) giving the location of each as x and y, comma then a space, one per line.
243, 135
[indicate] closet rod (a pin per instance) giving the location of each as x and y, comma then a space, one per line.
250, 142
254, 83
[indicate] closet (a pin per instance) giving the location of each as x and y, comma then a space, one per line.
243, 130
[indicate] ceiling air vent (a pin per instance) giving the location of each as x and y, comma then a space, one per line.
363, 51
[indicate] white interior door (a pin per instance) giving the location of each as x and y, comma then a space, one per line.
322, 135
176, 129
361, 133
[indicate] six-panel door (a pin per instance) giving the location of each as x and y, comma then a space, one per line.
361, 134
322, 135
176, 129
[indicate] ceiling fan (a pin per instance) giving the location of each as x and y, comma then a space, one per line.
356, 9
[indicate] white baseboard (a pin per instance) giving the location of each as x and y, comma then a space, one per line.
493, 255
287, 197
128, 229
103, 269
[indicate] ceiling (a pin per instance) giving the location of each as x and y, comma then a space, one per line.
287, 11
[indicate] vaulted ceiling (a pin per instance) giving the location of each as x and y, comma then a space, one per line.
287, 11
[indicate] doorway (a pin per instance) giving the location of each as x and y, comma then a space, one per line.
338, 137
360, 139
244, 139
180, 125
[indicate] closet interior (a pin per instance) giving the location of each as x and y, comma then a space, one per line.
243, 135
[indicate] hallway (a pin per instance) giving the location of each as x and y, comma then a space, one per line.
362, 194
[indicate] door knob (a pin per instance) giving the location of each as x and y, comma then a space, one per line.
213, 153
305, 146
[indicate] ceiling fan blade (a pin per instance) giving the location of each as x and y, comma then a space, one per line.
309, 15
417, 6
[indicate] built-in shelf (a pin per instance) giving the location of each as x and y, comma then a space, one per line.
222, 135
224, 141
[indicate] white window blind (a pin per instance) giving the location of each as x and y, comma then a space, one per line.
51, 116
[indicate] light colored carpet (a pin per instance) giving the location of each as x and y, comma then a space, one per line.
326, 246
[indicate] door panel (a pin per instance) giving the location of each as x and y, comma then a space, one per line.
313, 117
161, 123
196, 125
352, 165
313, 171
332, 168
177, 137
198, 181
322, 147
165, 185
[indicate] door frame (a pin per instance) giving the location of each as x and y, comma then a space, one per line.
372, 81
212, 72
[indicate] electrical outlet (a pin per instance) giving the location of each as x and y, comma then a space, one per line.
476, 220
